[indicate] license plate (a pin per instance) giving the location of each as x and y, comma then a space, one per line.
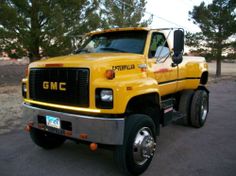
53, 122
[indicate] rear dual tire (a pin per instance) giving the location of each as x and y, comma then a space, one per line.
195, 107
185, 105
199, 108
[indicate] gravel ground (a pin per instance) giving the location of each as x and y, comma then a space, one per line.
227, 68
10, 111
11, 74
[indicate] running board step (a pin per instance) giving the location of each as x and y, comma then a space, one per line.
170, 114
167, 106
177, 115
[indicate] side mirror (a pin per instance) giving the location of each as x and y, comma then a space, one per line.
162, 52
178, 46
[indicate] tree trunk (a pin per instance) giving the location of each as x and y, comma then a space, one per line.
35, 32
34, 56
123, 13
218, 62
218, 67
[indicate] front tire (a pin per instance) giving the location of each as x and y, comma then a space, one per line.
46, 140
137, 151
199, 108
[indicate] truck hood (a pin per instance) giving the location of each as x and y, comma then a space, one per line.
88, 60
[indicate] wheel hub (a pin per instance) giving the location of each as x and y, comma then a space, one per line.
204, 109
144, 146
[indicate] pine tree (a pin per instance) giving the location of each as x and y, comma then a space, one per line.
217, 22
45, 27
125, 13
52, 27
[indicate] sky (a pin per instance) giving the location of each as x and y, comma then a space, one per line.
175, 11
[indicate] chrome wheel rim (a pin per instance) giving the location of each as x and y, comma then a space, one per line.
204, 109
143, 146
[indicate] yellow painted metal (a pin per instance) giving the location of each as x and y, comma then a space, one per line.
118, 29
159, 78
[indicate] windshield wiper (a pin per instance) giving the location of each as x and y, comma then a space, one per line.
113, 49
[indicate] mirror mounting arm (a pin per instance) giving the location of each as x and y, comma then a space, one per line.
174, 65
178, 46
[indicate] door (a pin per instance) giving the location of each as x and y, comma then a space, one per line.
162, 69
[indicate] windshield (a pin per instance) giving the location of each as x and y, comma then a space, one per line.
122, 41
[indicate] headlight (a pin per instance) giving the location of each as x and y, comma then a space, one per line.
106, 95
104, 98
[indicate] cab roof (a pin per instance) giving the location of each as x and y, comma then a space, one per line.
119, 29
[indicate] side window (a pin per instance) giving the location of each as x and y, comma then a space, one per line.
158, 39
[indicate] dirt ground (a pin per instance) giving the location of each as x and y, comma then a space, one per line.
10, 111
10, 91
10, 96
227, 68
11, 75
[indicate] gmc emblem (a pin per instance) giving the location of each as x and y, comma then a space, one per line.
54, 86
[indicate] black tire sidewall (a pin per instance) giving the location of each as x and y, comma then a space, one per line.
198, 98
138, 122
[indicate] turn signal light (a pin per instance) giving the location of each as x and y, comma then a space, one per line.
110, 74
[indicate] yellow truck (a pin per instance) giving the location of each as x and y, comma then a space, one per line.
117, 90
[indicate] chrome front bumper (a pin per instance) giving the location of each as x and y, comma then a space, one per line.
92, 129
